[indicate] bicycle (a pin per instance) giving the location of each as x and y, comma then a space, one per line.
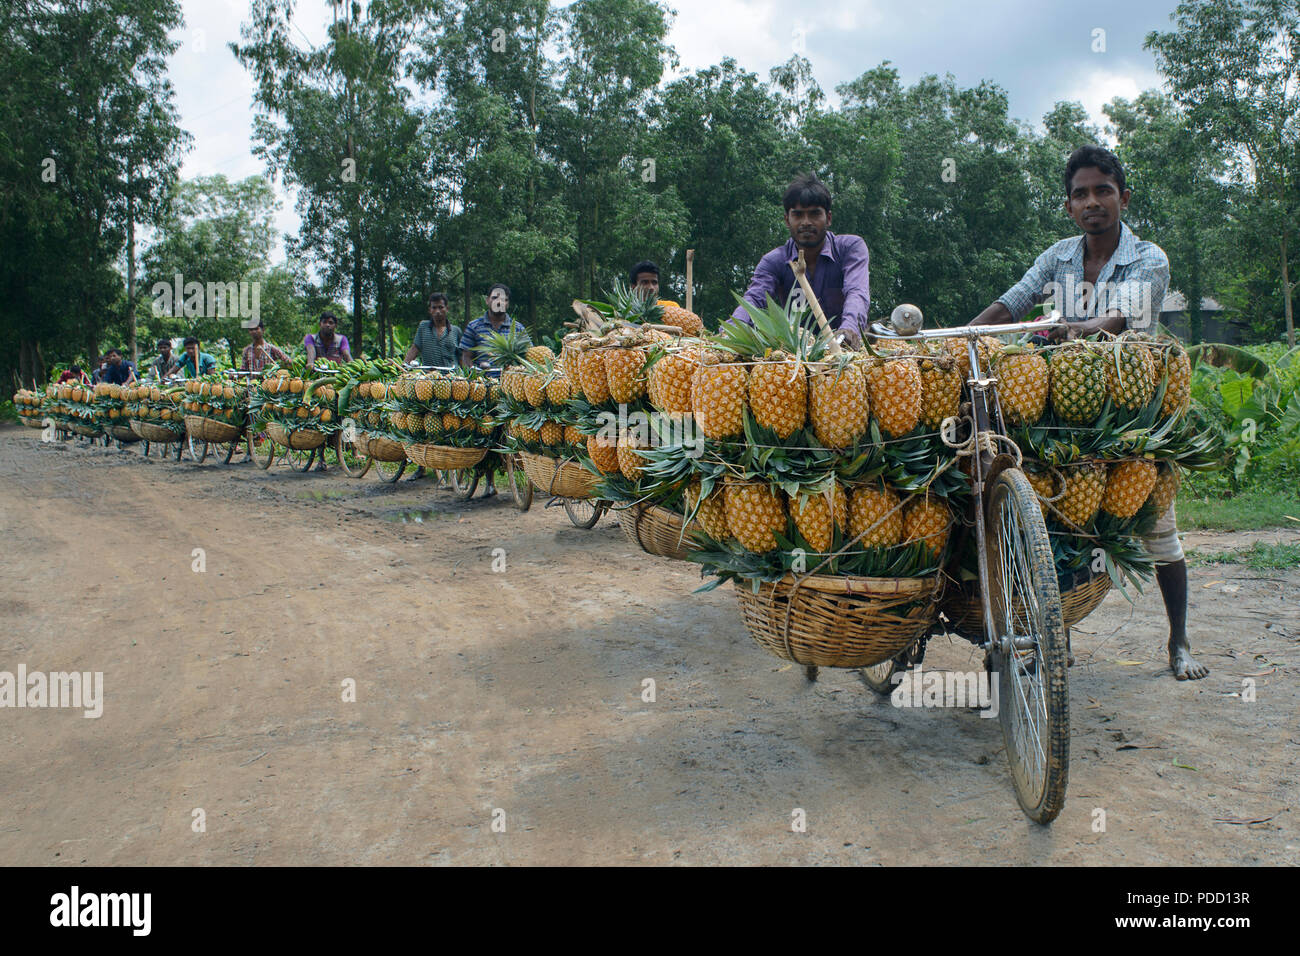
1024, 637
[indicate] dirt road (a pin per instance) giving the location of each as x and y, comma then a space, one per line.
517, 696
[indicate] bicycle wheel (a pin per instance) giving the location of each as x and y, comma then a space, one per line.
354, 461
1028, 646
464, 482
390, 471
227, 450
198, 449
880, 677
582, 512
261, 449
300, 460
520, 487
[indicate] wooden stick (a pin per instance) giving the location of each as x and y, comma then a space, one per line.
690, 271
799, 273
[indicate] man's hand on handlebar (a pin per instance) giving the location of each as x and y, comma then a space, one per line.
850, 337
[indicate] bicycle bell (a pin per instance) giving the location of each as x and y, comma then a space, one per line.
906, 319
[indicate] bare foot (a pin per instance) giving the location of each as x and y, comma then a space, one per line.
1185, 666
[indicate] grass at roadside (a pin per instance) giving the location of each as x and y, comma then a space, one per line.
1248, 511
1258, 557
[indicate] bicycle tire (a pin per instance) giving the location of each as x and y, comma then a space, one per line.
582, 512
1025, 604
464, 482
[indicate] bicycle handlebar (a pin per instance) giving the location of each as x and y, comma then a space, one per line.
973, 331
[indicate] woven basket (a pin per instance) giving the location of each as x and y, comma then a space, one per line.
155, 433
383, 449
88, 431
833, 621
30, 422
1081, 594
656, 530
123, 434
300, 439
552, 476
444, 457
209, 429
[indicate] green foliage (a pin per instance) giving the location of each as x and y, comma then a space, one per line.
1260, 556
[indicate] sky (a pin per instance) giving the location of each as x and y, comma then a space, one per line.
1040, 53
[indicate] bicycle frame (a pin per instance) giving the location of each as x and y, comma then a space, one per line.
982, 387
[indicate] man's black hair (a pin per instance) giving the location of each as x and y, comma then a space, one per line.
112, 351
500, 285
327, 315
191, 340
437, 297
161, 342
807, 190
645, 265
1095, 156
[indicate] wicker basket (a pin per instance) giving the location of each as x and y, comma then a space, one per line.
1081, 594
30, 422
444, 457
382, 449
87, 431
553, 476
209, 429
123, 434
300, 439
159, 434
656, 530
834, 621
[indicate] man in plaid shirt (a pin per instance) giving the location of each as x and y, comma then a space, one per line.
1108, 280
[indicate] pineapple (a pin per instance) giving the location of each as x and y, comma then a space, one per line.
927, 519
1128, 487
1082, 487
711, 513
625, 372
604, 454
718, 397
442, 388
894, 390
558, 390
940, 388
874, 514
478, 390
986, 346
1043, 483
754, 513
1023, 381
539, 355
817, 515
684, 319
1168, 478
574, 436
552, 433
629, 462
1078, 386
838, 405
1129, 373
459, 389
535, 388
592, 377
1178, 393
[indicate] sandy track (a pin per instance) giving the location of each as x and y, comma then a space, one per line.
522, 691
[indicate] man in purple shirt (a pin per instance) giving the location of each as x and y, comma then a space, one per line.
837, 265
325, 344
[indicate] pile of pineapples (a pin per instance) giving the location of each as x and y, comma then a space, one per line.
609, 419
72, 406
28, 404
806, 459
533, 397
436, 408
297, 398
154, 405
1105, 431
215, 397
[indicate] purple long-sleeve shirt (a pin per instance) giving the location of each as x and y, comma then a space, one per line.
841, 282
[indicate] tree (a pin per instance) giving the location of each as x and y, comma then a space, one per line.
1179, 198
92, 144
335, 122
1234, 66
217, 233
